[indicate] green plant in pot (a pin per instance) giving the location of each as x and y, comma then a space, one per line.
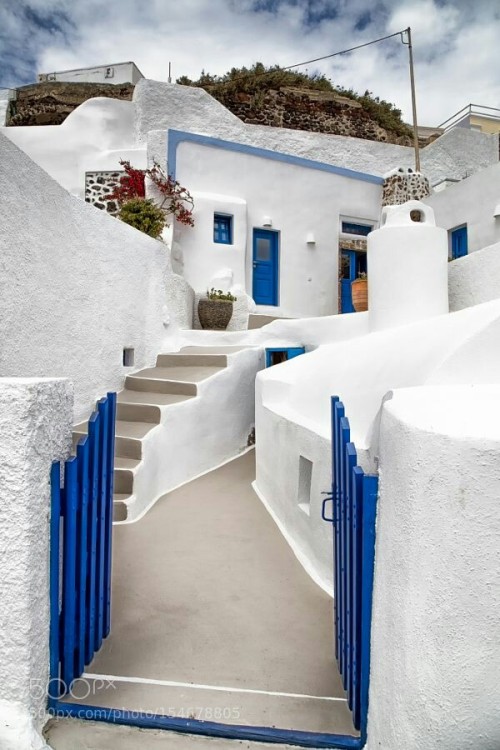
215, 311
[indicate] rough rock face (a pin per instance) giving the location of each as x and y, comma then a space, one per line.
99, 186
50, 102
315, 111
403, 185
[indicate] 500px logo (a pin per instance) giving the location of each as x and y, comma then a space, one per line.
79, 689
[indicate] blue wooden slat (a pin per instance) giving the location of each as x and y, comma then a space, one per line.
370, 492
344, 439
94, 430
109, 512
55, 633
350, 458
357, 582
82, 454
102, 407
339, 413
69, 572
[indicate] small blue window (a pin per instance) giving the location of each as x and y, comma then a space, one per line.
223, 229
350, 228
459, 243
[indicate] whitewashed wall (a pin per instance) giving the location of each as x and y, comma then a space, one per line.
94, 137
472, 202
160, 106
77, 286
298, 200
293, 400
436, 603
125, 72
35, 429
474, 278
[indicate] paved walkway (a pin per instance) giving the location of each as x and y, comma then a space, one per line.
214, 618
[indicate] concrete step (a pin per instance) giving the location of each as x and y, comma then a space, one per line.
157, 385
130, 412
195, 359
156, 399
120, 509
212, 349
184, 374
123, 481
259, 320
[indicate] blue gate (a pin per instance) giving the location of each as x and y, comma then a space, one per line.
80, 554
354, 506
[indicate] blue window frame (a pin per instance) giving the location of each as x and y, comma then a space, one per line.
350, 227
275, 356
223, 229
459, 242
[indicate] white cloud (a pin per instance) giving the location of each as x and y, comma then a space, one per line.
455, 43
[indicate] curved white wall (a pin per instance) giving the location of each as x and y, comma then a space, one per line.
475, 278
436, 604
407, 267
95, 136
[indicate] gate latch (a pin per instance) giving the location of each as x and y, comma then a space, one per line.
328, 498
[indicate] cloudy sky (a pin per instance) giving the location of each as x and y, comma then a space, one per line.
456, 42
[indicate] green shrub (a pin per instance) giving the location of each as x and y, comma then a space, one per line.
144, 215
218, 294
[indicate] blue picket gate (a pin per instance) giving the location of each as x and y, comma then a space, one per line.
354, 506
80, 554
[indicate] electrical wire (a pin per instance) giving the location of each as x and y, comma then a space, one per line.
308, 62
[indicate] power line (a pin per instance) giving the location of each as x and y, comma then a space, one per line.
308, 62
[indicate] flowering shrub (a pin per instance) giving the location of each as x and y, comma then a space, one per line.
219, 295
176, 200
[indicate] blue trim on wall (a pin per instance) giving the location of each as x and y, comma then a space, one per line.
207, 728
178, 136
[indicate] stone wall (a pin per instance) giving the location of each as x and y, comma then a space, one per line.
315, 111
98, 186
50, 102
403, 185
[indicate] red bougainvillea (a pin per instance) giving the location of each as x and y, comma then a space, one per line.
176, 200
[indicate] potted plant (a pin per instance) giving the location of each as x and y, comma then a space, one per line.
359, 292
216, 310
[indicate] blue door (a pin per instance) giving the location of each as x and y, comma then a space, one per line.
459, 246
352, 263
265, 267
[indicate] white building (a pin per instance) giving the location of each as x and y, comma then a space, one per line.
125, 72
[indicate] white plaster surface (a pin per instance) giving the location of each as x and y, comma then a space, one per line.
160, 106
407, 267
78, 286
293, 401
308, 274
436, 606
202, 258
472, 202
475, 278
35, 429
95, 136
125, 72
200, 433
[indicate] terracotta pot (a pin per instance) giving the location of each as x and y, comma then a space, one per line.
215, 313
359, 291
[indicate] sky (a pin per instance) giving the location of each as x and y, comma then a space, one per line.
456, 43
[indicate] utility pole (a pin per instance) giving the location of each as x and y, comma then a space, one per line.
413, 96
170, 72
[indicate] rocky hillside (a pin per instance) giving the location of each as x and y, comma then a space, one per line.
50, 102
270, 96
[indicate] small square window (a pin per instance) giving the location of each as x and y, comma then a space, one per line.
223, 229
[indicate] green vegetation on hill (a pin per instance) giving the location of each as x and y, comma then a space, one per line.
258, 79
